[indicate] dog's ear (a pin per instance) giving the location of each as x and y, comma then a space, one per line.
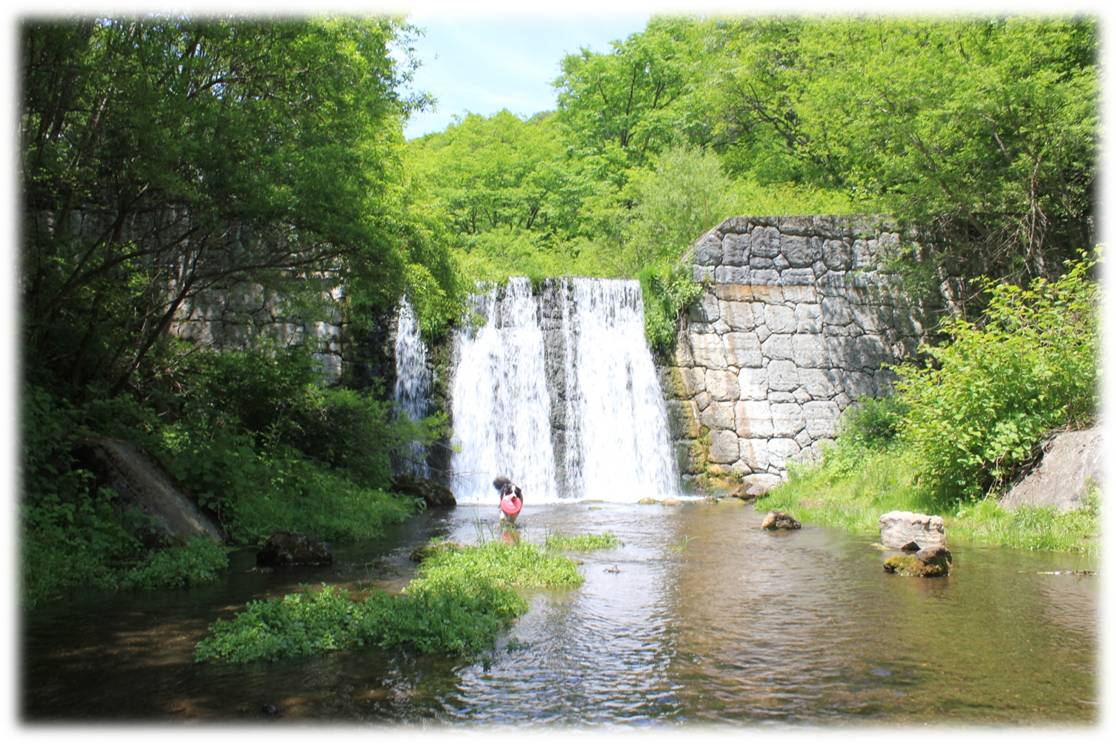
500, 482
518, 492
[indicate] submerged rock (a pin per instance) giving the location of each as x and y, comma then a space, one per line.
900, 528
293, 549
434, 494
777, 520
927, 563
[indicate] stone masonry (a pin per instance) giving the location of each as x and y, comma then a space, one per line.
798, 317
231, 318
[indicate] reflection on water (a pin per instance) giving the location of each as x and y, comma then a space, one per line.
699, 617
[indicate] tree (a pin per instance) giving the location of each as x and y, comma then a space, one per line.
165, 156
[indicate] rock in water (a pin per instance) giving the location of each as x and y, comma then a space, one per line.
777, 520
434, 494
293, 549
912, 565
898, 528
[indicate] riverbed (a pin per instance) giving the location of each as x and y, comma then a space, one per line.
699, 617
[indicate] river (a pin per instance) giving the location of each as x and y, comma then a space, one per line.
700, 617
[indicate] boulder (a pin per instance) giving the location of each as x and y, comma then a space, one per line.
434, 494
898, 528
435, 547
141, 482
777, 520
1070, 466
293, 549
926, 563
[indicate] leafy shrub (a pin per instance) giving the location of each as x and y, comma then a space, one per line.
997, 387
667, 293
873, 423
199, 561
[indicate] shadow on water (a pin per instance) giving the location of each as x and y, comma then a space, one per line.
699, 616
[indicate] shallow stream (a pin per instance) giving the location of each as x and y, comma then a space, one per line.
699, 617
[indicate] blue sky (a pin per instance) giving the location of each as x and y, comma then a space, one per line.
476, 64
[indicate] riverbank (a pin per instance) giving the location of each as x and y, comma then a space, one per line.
839, 495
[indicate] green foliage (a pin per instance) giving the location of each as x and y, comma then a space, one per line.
995, 388
457, 605
959, 429
199, 561
667, 293
582, 543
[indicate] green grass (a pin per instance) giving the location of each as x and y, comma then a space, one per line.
582, 543
458, 604
851, 492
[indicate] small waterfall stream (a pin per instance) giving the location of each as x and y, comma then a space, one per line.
413, 383
558, 391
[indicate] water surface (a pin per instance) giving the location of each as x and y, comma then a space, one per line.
699, 617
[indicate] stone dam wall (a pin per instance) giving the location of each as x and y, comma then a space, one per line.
798, 318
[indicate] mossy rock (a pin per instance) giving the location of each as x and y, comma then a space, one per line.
909, 565
433, 548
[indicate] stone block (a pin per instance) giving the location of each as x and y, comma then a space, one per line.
807, 317
782, 374
743, 350
708, 351
682, 419
821, 418
787, 419
754, 453
800, 251
836, 311
733, 275
780, 451
724, 447
765, 242
693, 380
708, 251
735, 250
753, 383
722, 384
780, 319
718, 416
753, 419
778, 346
809, 350
837, 255
738, 315
817, 383
797, 277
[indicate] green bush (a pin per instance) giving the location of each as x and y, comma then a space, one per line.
996, 388
199, 561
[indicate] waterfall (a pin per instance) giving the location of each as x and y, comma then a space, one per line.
618, 445
413, 383
501, 409
596, 429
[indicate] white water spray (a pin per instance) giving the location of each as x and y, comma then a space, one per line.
613, 442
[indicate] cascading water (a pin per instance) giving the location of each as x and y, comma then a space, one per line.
501, 409
413, 383
617, 443
598, 431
